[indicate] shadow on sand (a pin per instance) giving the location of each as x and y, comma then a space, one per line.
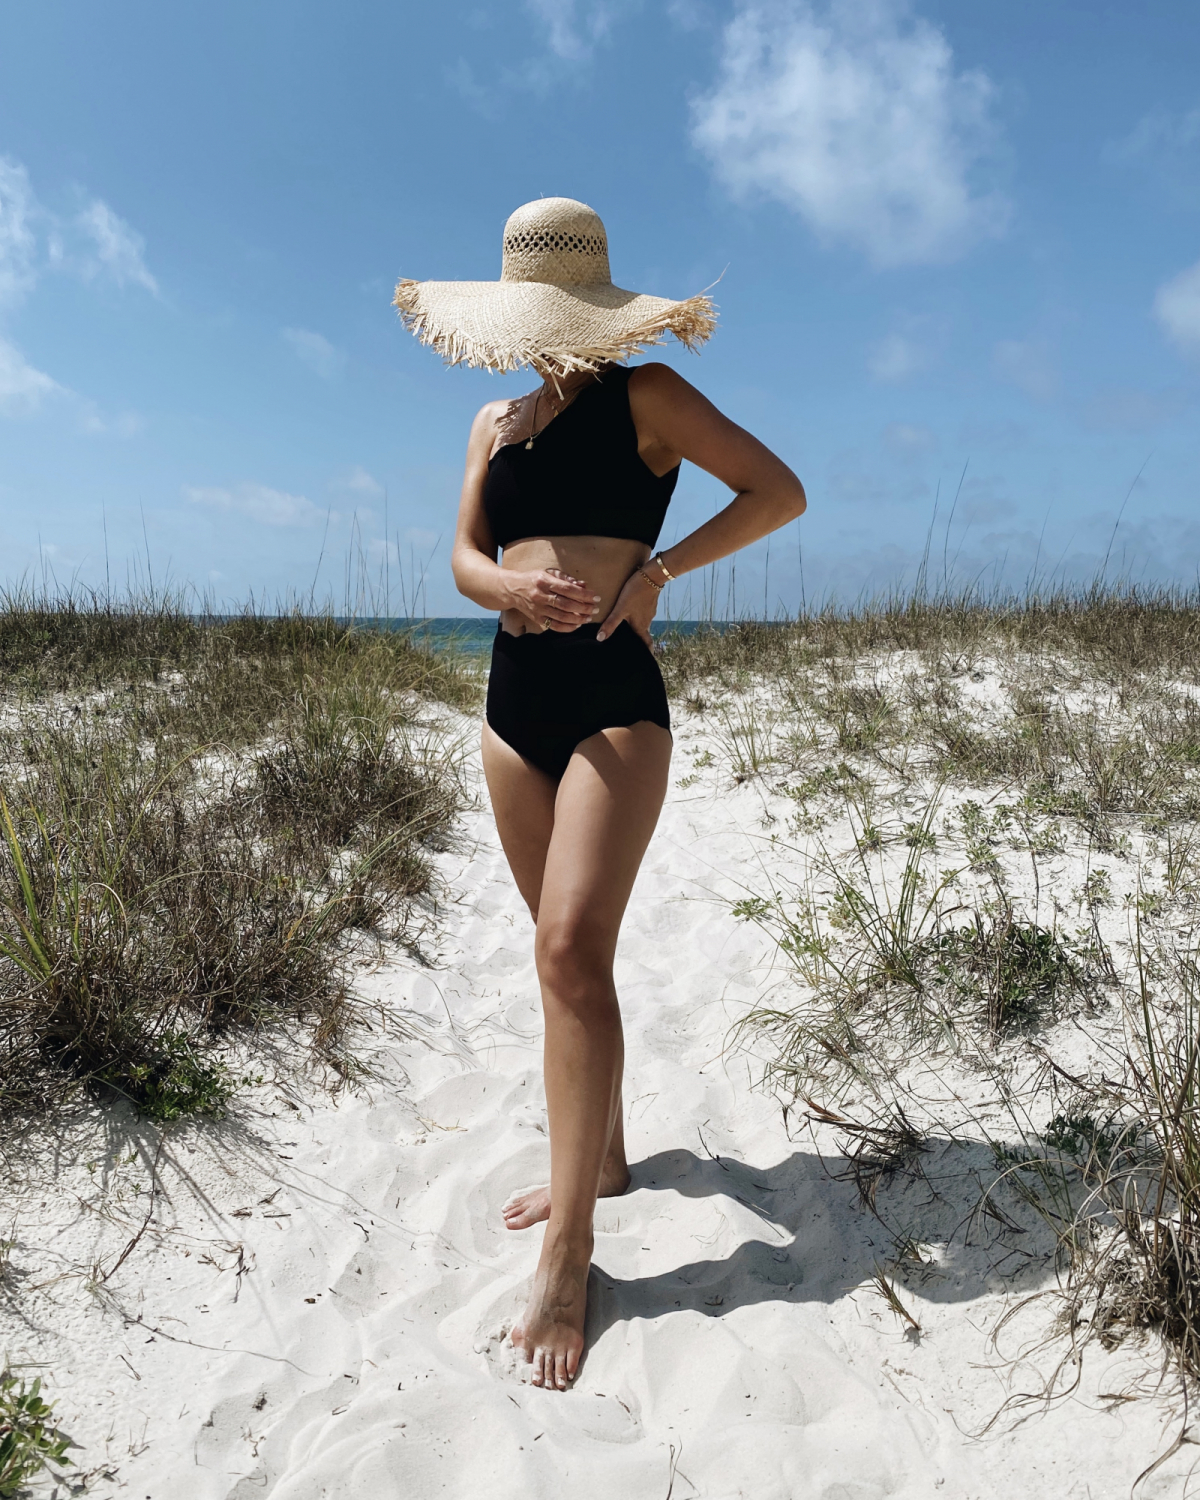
820, 1239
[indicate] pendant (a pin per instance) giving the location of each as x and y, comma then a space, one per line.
529, 445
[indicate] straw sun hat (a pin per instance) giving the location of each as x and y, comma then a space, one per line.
554, 308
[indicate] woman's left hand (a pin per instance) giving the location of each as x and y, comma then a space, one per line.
637, 603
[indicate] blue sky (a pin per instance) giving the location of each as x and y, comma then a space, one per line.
951, 236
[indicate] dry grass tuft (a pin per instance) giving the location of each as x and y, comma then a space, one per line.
1118, 632
200, 819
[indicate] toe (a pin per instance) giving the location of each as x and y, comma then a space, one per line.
560, 1371
539, 1365
572, 1363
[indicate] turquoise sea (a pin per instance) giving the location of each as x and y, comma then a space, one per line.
473, 633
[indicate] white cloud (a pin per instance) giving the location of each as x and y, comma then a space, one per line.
1128, 409
562, 32
118, 248
572, 27
96, 242
359, 482
689, 15
17, 241
1158, 131
421, 538
1165, 147
126, 424
896, 358
22, 388
1030, 365
1177, 307
903, 437
268, 506
852, 114
317, 353
31, 240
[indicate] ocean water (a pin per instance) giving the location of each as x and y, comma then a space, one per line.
473, 634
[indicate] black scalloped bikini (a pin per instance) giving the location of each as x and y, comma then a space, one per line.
550, 690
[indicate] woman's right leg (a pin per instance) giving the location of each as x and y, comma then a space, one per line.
605, 812
523, 805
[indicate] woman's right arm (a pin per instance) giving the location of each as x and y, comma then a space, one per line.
541, 595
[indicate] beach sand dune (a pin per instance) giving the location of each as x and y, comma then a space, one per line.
320, 1301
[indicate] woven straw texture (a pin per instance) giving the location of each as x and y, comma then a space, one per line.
554, 308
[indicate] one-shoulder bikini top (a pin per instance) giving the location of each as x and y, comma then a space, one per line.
582, 477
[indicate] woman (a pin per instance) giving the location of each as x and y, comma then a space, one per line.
571, 483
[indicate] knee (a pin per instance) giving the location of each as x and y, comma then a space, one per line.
574, 960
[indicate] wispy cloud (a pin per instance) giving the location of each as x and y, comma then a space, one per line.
1029, 364
1177, 308
904, 438
22, 388
852, 113
315, 352
896, 358
260, 503
18, 244
689, 15
1128, 409
562, 36
125, 424
359, 483
1160, 130
571, 27
118, 249
96, 243
1163, 146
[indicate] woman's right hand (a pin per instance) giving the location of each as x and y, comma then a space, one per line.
551, 599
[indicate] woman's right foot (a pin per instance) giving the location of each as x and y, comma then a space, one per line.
532, 1205
550, 1331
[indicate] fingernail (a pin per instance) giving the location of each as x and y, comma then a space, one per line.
600, 635
595, 598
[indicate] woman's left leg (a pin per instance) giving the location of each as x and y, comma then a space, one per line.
607, 806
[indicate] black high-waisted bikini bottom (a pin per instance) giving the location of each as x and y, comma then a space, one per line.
549, 690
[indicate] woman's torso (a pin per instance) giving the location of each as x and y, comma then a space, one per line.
582, 500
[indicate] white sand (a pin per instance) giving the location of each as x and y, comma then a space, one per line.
319, 1303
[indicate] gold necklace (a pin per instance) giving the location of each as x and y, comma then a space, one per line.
555, 412
533, 423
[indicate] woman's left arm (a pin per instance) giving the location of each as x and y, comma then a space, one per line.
674, 421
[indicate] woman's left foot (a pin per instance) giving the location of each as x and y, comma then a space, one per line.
532, 1205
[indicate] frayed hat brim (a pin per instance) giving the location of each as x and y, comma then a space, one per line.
507, 325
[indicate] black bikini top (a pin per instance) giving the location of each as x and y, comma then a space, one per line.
582, 477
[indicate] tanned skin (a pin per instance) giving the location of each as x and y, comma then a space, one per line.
575, 845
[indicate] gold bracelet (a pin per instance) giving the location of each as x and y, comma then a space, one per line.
667, 574
657, 587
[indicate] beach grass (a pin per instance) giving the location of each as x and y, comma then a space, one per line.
206, 820
1097, 719
201, 818
969, 775
31, 1445
1119, 630
1136, 1147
